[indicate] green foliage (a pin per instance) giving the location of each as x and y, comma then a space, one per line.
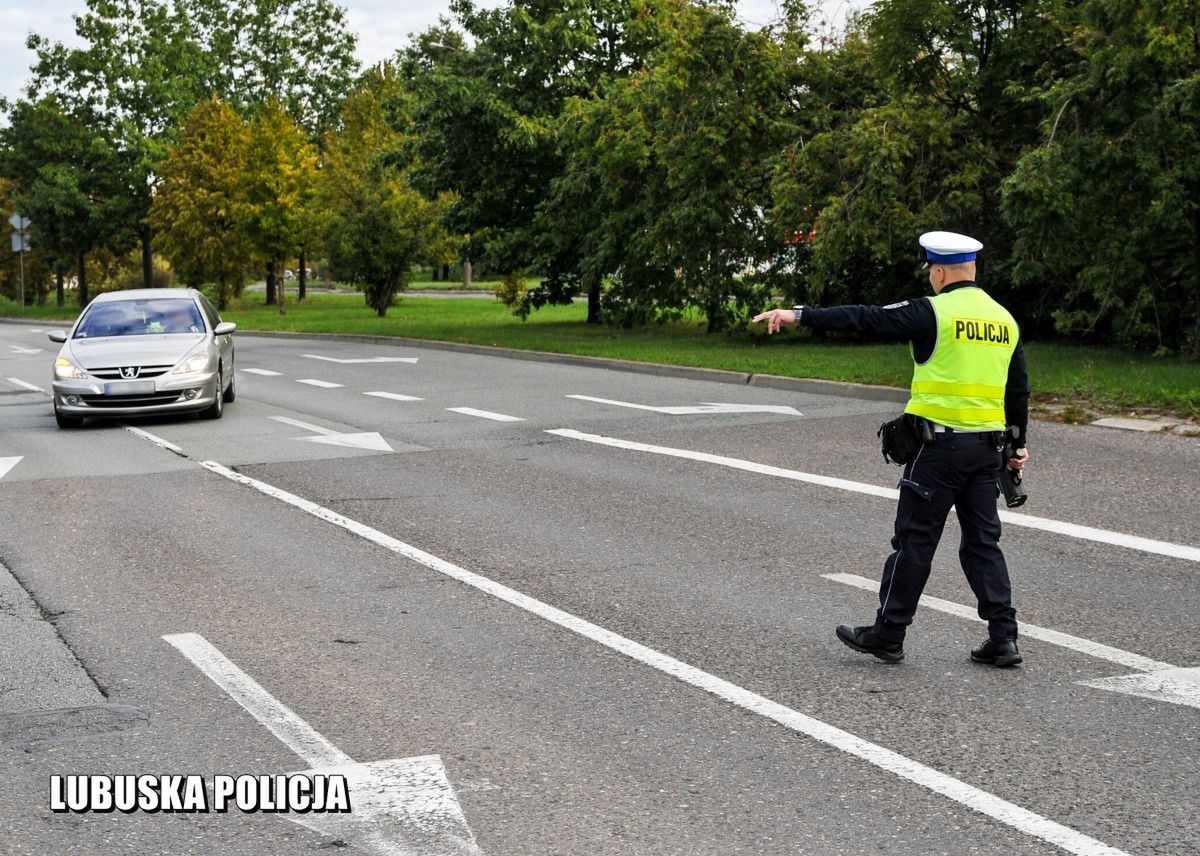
377, 226
1107, 206
202, 207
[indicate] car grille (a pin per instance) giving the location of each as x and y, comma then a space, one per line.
114, 372
148, 398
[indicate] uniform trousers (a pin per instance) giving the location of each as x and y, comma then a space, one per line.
959, 470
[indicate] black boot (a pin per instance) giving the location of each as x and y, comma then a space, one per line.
997, 652
864, 639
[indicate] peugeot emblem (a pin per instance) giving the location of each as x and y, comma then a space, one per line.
130, 372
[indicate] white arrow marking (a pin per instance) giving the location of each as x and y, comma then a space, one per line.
25, 385
401, 807
1162, 681
347, 362
1177, 686
706, 407
7, 464
365, 440
17, 349
263, 372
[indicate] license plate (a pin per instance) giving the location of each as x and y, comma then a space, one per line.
131, 387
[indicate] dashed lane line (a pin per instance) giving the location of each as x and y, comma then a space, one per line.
323, 384
1059, 527
263, 372
28, 386
393, 396
995, 807
485, 414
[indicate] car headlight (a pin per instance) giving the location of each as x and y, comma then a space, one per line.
191, 365
64, 369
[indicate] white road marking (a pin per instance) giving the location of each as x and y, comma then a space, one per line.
36, 330
29, 386
323, 384
1032, 631
296, 423
263, 372
1177, 686
394, 396
348, 362
6, 464
353, 440
999, 809
399, 807
1059, 527
17, 349
156, 440
485, 414
706, 407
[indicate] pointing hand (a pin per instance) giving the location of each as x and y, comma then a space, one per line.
776, 318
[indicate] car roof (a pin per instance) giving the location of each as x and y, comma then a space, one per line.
146, 294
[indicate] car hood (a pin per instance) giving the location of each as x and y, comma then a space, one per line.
157, 350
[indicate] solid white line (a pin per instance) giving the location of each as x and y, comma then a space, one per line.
394, 396
156, 440
981, 801
1059, 527
323, 384
1031, 631
28, 386
293, 731
485, 414
316, 429
615, 403
263, 372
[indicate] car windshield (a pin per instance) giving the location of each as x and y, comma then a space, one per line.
141, 318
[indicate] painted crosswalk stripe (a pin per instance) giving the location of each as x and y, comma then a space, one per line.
263, 372
485, 414
1028, 521
393, 396
997, 808
323, 384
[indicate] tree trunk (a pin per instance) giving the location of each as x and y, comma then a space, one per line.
270, 283
302, 274
81, 262
147, 259
593, 295
222, 296
446, 272
1196, 281
60, 296
435, 273
467, 273
282, 292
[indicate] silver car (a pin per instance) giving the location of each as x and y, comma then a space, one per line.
147, 351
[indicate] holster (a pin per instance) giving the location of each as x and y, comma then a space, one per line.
901, 438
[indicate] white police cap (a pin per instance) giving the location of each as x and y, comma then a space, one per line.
949, 248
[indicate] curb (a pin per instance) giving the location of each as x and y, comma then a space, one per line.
789, 384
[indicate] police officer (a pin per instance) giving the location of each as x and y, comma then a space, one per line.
969, 382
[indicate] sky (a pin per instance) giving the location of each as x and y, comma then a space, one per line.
382, 26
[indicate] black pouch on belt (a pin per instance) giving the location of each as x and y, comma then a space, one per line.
901, 438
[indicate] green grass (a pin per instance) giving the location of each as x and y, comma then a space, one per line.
1101, 378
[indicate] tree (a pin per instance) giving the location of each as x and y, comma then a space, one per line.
66, 176
377, 226
281, 175
672, 167
488, 119
201, 209
1107, 205
944, 116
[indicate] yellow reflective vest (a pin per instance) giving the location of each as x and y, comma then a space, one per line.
962, 383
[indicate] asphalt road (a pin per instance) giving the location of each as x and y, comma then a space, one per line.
615, 645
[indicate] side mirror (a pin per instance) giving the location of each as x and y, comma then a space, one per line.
57, 336
224, 328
